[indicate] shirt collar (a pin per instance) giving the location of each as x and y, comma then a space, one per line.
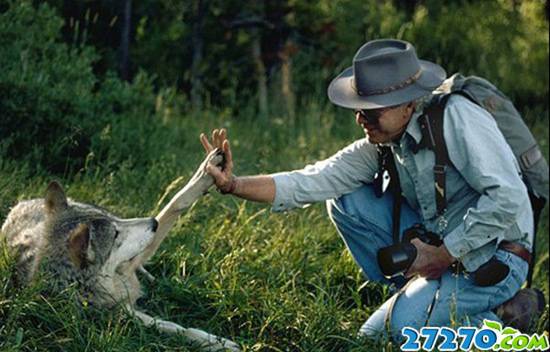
413, 128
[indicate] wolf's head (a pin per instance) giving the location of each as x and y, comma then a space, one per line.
85, 240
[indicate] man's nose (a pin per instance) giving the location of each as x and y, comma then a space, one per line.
359, 119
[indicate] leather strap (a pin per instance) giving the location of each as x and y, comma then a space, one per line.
431, 126
517, 249
512, 247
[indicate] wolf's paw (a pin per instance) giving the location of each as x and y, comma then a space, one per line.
216, 158
209, 342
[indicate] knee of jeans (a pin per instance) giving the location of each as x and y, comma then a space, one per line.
334, 209
353, 204
378, 328
411, 308
340, 216
375, 327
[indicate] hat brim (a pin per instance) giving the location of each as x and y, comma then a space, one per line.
342, 92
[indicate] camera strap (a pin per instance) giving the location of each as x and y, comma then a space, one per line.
387, 163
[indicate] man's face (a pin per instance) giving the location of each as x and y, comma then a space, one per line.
385, 124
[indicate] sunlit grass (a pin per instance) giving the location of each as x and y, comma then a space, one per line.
272, 282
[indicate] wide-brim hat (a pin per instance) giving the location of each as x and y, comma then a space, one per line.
385, 72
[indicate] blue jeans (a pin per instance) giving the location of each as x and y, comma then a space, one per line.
365, 224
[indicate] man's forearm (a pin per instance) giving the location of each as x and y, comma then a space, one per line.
259, 188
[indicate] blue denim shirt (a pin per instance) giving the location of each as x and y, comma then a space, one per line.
487, 201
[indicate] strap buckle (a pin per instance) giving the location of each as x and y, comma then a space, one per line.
440, 169
440, 192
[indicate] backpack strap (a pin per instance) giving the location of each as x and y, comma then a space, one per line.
431, 125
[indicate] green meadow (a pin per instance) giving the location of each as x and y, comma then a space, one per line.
270, 281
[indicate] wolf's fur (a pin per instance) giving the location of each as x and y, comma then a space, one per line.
88, 247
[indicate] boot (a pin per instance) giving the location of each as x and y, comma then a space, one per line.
523, 310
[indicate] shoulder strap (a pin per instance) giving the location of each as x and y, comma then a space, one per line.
387, 162
431, 125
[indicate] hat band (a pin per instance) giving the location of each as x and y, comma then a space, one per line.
389, 89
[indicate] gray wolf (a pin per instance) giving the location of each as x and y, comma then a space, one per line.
90, 248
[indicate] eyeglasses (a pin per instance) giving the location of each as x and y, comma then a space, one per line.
373, 115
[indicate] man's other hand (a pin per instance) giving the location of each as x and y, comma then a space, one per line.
431, 261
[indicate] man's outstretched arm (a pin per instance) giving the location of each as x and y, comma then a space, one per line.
260, 188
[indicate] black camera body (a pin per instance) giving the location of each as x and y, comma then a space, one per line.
396, 259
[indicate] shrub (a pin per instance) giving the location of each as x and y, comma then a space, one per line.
53, 106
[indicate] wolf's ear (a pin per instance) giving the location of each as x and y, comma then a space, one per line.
80, 252
55, 198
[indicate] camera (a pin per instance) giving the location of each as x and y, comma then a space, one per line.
396, 259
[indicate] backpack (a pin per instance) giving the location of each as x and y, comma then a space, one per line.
481, 92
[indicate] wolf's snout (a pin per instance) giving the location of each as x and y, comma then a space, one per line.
155, 225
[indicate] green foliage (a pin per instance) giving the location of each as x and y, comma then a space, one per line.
42, 80
161, 46
504, 41
53, 107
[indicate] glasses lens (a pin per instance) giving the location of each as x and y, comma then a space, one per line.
371, 116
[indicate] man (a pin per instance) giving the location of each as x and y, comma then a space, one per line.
387, 87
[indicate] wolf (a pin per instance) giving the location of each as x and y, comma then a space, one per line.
85, 246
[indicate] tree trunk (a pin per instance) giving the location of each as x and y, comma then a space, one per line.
197, 40
286, 80
124, 58
260, 74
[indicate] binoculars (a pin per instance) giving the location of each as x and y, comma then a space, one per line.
396, 259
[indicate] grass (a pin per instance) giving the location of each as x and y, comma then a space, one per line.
272, 282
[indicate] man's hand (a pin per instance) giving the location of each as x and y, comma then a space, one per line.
431, 261
223, 177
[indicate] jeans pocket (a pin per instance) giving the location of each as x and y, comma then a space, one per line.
511, 284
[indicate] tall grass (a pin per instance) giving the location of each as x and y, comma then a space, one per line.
272, 282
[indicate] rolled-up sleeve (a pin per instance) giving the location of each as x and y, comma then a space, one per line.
340, 174
480, 153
